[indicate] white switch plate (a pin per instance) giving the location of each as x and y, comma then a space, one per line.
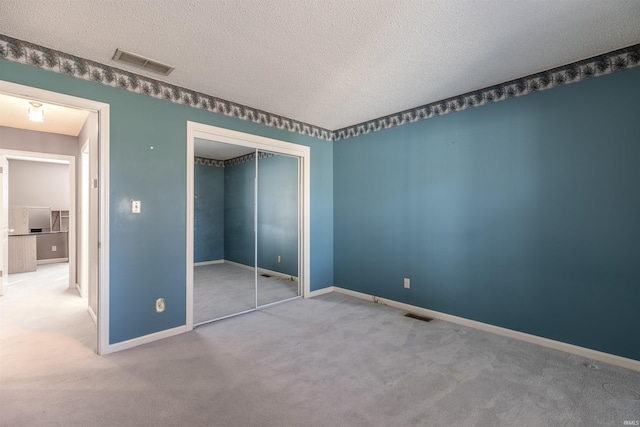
54, 248
135, 206
279, 259
407, 283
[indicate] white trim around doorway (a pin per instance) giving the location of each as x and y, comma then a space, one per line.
212, 133
102, 109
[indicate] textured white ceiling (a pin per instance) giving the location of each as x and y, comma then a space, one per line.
219, 150
331, 63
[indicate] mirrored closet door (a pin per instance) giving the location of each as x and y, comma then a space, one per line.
246, 229
278, 228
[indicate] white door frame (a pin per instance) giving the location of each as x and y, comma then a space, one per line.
102, 109
4, 223
212, 133
83, 221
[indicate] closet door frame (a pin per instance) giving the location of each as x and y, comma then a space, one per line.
213, 133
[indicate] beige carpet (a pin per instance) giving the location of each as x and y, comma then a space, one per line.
328, 361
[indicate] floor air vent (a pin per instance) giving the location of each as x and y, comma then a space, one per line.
417, 317
142, 62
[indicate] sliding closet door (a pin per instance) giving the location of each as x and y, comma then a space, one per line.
278, 225
224, 233
246, 229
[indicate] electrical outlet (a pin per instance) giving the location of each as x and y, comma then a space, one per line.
135, 206
160, 306
279, 258
407, 283
54, 248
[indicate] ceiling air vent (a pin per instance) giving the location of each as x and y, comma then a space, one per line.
142, 62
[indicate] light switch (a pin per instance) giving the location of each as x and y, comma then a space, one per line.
135, 206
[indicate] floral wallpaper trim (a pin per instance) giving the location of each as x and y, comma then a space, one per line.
208, 162
52, 60
618, 60
231, 162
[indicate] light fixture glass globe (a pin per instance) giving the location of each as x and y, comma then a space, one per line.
35, 112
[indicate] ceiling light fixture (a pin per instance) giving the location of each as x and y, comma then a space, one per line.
35, 112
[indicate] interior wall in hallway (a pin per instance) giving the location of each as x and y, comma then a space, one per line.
39, 142
39, 184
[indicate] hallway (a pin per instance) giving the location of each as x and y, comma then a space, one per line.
39, 311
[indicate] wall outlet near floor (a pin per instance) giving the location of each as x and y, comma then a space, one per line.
160, 305
54, 248
279, 258
407, 283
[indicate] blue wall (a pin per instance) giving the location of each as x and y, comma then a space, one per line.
208, 206
148, 250
278, 214
239, 213
523, 214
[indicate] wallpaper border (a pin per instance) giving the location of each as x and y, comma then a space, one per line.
208, 162
617, 60
23, 52
204, 161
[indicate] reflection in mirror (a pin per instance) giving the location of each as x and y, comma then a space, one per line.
278, 228
224, 238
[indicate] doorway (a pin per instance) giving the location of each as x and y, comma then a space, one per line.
252, 245
98, 184
41, 211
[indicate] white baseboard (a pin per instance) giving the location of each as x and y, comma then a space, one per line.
319, 292
217, 261
237, 264
51, 261
124, 345
93, 315
360, 295
262, 270
588, 353
79, 289
277, 274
